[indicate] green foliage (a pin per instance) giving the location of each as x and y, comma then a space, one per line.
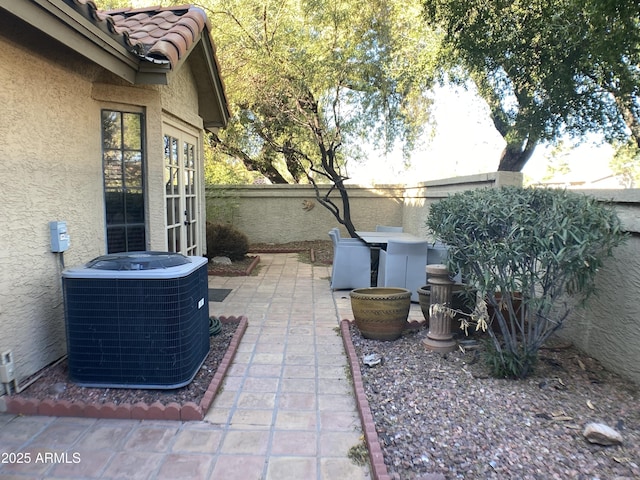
222, 205
626, 164
540, 243
546, 68
505, 364
226, 240
225, 171
308, 80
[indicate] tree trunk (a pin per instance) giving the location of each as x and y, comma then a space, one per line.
266, 169
629, 119
514, 157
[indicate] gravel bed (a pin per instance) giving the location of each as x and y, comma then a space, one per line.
55, 384
443, 414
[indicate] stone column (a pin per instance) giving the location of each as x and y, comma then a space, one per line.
439, 338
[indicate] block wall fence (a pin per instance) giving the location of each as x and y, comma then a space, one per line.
605, 328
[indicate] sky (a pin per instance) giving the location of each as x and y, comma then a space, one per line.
466, 143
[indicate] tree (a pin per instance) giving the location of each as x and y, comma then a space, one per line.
626, 164
309, 81
545, 68
557, 162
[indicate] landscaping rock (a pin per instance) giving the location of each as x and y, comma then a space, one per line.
602, 434
221, 261
372, 359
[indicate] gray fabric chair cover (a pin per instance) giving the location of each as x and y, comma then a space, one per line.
351, 263
403, 265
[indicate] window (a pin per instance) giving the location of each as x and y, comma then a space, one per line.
123, 168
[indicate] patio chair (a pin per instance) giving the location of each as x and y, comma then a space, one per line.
403, 265
351, 263
343, 239
438, 253
386, 228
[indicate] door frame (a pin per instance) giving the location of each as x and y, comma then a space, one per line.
184, 208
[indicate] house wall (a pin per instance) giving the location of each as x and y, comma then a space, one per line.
51, 170
51, 157
177, 104
180, 108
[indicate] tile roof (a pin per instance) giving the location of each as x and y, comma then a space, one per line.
156, 34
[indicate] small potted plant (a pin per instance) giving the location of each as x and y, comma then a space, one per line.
531, 253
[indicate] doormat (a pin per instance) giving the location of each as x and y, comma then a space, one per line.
218, 294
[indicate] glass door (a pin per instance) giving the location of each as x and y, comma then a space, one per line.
181, 191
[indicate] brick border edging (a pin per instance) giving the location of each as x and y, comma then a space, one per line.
246, 273
189, 411
376, 458
225, 363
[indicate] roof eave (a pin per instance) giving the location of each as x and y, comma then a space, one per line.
153, 73
82, 36
214, 109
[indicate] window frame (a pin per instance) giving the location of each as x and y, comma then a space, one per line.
131, 187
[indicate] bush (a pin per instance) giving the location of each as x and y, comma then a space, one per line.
524, 250
226, 241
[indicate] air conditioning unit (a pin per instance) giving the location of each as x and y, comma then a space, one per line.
137, 320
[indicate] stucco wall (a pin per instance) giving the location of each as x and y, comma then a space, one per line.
180, 96
279, 213
51, 170
286, 213
607, 326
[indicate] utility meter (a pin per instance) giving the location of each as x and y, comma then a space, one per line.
59, 236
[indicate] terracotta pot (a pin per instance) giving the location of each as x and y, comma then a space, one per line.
516, 299
424, 299
381, 313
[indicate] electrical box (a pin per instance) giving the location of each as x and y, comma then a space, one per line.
59, 236
6, 367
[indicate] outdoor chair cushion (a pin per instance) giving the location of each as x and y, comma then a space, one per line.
403, 265
438, 253
351, 263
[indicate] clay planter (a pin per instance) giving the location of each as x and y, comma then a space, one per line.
424, 299
491, 311
380, 313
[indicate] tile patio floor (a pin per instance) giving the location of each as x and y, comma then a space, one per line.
286, 411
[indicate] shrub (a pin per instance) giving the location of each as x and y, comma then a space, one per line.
226, 241
524, 250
